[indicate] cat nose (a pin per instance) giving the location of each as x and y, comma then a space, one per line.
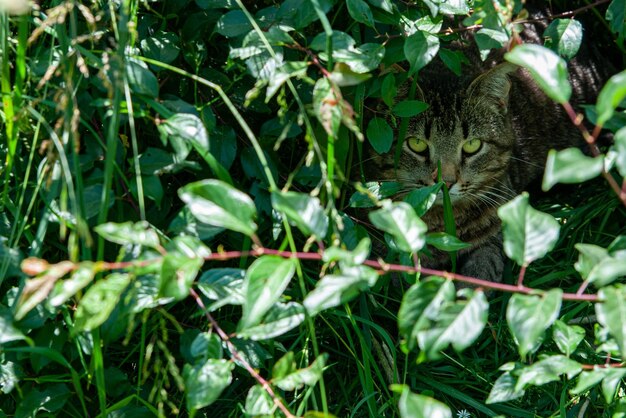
448, 178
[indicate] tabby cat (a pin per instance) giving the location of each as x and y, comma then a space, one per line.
491, 129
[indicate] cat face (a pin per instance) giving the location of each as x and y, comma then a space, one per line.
467, 130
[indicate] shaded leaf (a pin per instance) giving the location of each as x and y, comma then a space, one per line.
379, 135
360, 11
372, 192
528, 234
409, 108
233, 23
219, 204
547, 69
445, 242
422, 199
178, 272
529, 316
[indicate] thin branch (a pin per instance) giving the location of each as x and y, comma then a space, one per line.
235, 354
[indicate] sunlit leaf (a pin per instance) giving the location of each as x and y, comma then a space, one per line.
99, 301
265, 281
612, 311
419, 49
596, 265
547, 69
564, 37
280, 319
139, 233
308, 376
219, 204
178, 272
548, 369
412, 405
334, 289
570, 166
400, 221
205, 382
38, 288
567, 337
303, 210
65, 289
610, 97
445, 242
528, 234
504, 389
529, 316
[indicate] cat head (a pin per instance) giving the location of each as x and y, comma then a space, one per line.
467, 128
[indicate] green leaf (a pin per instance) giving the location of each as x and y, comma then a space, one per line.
363, 59
178, 272
547, 69
400, 221
65, 289
223, 285
219, 204
374, 191
360, 11
504, 389
452, 60
528, 234
343, 75
567, 337
458, 324
7, 331
619, 140
609, 376
184, 131
142, 81
388, 89
412, 405
409, 108
445, 242
99, 301
281, 318
615, 15
529, 316
564, 37
597, 266
612, 311
419, 49
259, 402
570, 166
51, 399
300, 13
205, 382
421, 305
138, 233
302, 210
548, 369
351, 258
380, 135
424, 198
233, 23
266, 280
610, 97
162, 47
308, 376
335, 289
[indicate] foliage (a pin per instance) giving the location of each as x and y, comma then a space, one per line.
179, 229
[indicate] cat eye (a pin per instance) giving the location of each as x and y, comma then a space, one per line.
472, 146
417, 145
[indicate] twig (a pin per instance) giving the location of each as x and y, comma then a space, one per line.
235, 354
564, 14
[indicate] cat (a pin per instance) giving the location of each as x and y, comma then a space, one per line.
491, 129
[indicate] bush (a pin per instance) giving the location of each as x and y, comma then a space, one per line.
179, 226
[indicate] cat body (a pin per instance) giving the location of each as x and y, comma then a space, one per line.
491, 130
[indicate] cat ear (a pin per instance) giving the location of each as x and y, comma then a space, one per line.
493, 86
